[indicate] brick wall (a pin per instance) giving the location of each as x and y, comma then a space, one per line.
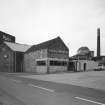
30, 59
6, 59
57, 69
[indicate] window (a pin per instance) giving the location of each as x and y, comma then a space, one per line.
64, 63
58, 63
41, 63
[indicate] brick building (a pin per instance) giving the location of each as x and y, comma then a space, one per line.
12, 57
47, 57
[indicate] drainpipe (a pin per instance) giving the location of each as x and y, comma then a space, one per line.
15, 61
48, 66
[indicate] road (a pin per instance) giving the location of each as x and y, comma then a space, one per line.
27, 91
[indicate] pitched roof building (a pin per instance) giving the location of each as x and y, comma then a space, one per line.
54, 43
12, 56
47, 57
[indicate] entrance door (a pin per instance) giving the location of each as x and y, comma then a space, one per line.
71, 66
18, 62
84, 66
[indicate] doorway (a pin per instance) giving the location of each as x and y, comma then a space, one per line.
84, 66
71, 66
18, 62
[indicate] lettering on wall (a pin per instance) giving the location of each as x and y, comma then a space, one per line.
6, 38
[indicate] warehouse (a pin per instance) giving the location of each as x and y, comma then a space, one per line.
47, 57
12, 57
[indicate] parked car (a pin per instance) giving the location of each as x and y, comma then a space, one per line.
100, 67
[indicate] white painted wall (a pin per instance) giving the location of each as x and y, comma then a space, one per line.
90, 65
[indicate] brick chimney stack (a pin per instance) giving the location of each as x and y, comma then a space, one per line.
98, 42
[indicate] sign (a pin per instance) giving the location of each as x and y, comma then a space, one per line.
6, 37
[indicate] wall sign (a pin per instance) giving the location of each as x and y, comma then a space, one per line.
6, 38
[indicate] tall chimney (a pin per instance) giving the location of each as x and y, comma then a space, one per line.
98, 42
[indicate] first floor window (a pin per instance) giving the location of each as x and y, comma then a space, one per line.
58, 63
41, 63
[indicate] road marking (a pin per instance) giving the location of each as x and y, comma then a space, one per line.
17, 81
89, 101
50, 90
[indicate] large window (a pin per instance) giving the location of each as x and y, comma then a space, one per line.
58, 63
41, 63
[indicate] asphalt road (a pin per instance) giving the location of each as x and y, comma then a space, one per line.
36, 92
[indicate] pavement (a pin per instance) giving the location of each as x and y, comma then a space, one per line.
26, 92
53, 89
91, 79
6, 99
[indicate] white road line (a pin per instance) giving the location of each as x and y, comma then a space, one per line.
17, 81
50, 90
89, 101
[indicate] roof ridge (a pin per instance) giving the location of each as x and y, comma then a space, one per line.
47, 41
46, 44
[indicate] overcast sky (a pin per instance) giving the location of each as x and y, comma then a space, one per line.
35, 21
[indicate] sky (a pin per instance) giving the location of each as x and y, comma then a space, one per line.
36, 21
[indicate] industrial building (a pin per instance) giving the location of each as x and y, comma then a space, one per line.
12, 57
83, 60
47, 57
11, 54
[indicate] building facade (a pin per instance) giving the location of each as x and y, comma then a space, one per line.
83, 60
47, 57
12, 57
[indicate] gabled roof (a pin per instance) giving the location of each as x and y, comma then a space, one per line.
17, 47
48, 45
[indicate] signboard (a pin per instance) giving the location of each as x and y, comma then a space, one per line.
6, 37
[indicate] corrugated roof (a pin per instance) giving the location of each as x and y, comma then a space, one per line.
17, 47
48, 44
